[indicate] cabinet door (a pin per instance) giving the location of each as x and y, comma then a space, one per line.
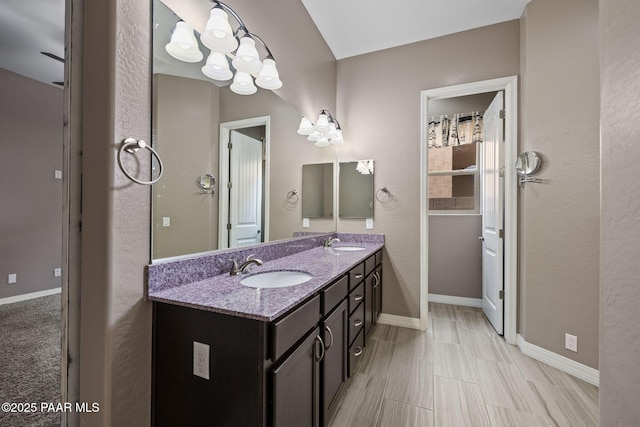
334, 368
377, 294
296, 385
369, 303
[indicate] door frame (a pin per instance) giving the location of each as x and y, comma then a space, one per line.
510, 87
223, 203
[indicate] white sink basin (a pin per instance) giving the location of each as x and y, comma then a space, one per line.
276, 279
348, 248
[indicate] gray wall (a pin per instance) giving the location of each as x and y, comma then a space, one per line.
186, 126
455, 255
559, 219
620, 213
380, 118
31, 208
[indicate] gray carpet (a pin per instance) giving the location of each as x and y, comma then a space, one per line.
30, 359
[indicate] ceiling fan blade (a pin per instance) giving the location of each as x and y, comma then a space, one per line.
52, 56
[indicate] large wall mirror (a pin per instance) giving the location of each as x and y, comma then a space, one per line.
191, 116
356, 189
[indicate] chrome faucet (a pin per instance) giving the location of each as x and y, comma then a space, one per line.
331, 241
244, 267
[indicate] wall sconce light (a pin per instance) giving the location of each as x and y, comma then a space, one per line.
325, 132
226, 43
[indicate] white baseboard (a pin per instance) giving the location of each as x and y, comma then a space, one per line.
562, 363
29, 296
448, 299
401, 321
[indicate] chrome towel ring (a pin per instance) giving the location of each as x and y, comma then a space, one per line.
387, 195
292, 197
131, 146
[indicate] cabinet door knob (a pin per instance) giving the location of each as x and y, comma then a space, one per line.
328, 329
319, 358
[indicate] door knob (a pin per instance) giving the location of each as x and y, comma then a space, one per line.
481, 238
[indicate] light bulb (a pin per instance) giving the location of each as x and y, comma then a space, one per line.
306, 127
183, 44
322, 124
243, 84
269, 78
218, 35
247, 59
217, 67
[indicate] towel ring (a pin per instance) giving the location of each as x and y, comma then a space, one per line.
131, 146
291, 195
386, 191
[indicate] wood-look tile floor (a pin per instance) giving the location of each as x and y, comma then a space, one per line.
459, 373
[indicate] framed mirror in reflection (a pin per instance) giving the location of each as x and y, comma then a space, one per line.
317, 190
356, 189
194, 120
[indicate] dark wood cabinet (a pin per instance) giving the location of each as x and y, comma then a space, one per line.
282, 373
296, 385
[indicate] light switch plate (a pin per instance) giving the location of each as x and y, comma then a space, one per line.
166, 221
305, 222
201, 360
57, 174
12, 278
57, 272
369, 223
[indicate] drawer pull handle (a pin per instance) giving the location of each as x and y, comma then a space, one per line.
328, 329
357, 297
358, 352
319, 358
358, 276
357, 323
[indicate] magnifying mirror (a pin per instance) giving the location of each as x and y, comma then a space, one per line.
528, 163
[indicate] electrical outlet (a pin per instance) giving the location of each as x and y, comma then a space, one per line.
571, 342
166, 221
57, 272
305, 222
201, 360
369, 224
57, 174
12, 278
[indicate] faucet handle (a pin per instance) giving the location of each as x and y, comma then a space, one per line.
234, 267
249, 257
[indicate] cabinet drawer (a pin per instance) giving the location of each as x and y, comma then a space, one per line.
369, 265
356, 297
334, 294
356, 275
356, 322
355, 352
288, 330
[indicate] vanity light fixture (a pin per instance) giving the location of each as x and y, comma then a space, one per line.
325, 132
225, 43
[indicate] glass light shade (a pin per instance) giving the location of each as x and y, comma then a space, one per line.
338, 140
243, 84
217, 67
314, 136
218, 35
322, 124
322, 142
269, 78
183, 44
332, 131
306, 127
247, 59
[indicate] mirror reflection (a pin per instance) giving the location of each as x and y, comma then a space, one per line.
356, 189
317, 190
194, 120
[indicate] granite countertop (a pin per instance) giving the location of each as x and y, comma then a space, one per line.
224, 293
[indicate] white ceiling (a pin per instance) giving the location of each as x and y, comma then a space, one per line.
28, 27
353, 27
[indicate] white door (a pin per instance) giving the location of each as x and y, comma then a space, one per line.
245, 194
492, 209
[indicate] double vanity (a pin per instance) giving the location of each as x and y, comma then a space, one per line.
269, 346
